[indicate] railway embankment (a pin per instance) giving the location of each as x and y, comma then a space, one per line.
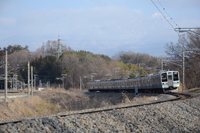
172, 116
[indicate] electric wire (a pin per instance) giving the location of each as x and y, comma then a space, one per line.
167, 13
164, 16
189, 31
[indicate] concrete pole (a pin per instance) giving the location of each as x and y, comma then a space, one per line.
28, 79
183, 86
80, 83
6, 76
63, 81
31, 80
11, 83
161, 64
16, 82
40, 83
35, 81
47, 84
24, 85
21, 85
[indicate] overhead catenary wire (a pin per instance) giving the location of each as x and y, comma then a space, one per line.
167, 13
165, 16
162, 14
177, 29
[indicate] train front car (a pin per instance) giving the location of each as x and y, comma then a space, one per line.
170, 81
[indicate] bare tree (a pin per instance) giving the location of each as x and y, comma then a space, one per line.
71, 61
149, 63
19, 58
187, 48
84, 66
50, 48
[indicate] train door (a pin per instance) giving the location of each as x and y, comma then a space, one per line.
170, 79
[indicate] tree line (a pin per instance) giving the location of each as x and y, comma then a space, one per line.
77, 66
74, 67
185, 55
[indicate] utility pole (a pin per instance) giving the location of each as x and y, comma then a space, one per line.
162, 64
15, 81
35, 81
183, 86
28, 79
80, 83
183, 58
40, 83
31, 80
63, 79
6, 76
59, 48
11, 86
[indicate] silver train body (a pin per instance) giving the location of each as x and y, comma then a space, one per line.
162, 82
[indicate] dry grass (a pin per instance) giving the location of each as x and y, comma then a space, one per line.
137, 99
34, 106
194, 90
51, 101
180, 88
68, 100
125, 98
144, 99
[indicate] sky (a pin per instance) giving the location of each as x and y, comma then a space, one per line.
99, 26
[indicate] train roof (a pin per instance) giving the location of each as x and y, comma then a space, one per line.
149, 75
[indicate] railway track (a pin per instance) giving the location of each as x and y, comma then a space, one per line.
178, 96
183, 95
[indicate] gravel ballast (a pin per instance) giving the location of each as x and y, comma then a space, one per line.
176, 116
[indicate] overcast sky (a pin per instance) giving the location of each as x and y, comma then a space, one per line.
99, 26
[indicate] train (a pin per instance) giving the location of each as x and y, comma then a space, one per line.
161, 82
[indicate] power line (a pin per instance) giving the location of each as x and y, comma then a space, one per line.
167, 13
178, 30
162, 14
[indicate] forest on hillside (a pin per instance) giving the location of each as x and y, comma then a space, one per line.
73, 67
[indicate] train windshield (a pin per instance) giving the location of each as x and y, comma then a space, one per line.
164, 77
169, 77
175, 76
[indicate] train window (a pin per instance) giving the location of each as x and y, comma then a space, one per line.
169, 73
164, 77
175, 76
169, 77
